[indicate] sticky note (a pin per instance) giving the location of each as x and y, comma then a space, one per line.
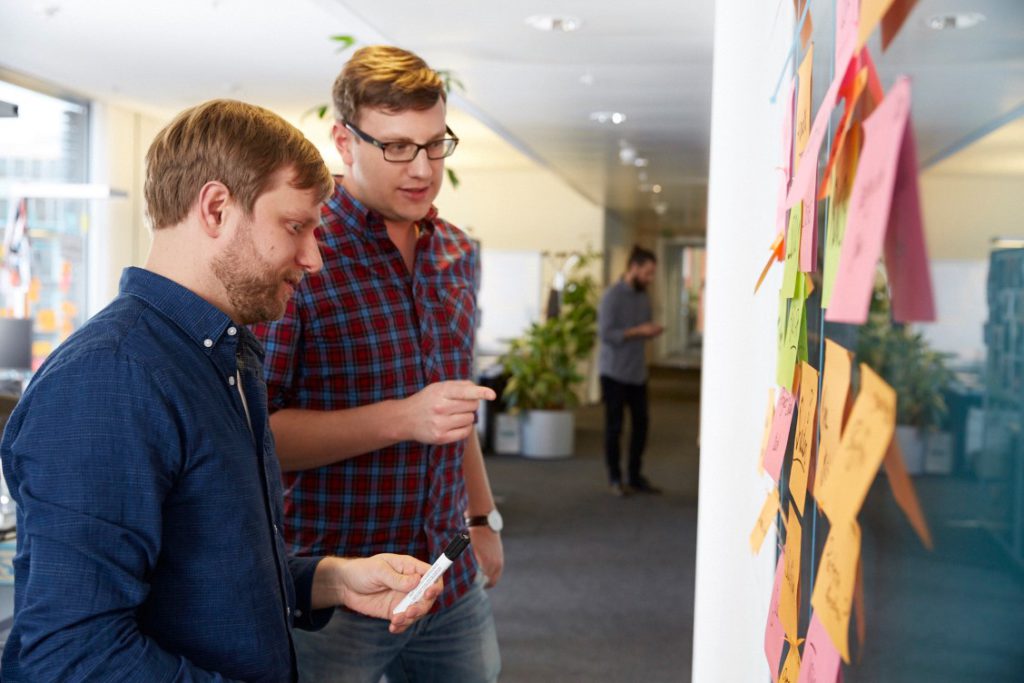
835, 387
785, 406
862, 449
808, 230
834, 583
838, 211
774, 635
870, 204
769, 414
764, 520
789, 595
803, 439
871, 12
904, 493
802, 130
791, 668
792, 266
821, 659
796, 326
847, 21
772, 257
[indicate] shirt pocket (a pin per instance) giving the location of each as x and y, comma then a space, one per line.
454, 308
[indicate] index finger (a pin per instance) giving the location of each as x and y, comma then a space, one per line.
464, 390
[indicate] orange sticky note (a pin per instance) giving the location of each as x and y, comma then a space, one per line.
803, 106
862, 448
904, 493
768, 416
764, 520
893, 20
803, 439
835, 386
871, 12
774, 636
858, 608
776, 249
46, 320
789, 592
832, 598
807, 28
791, 669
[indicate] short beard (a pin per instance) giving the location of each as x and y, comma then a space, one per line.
251, 294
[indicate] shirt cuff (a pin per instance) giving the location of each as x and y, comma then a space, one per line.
304, 617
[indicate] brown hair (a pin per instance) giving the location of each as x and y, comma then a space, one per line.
238, 144
385, 77
639, 256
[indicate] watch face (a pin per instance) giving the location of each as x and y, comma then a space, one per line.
494, 520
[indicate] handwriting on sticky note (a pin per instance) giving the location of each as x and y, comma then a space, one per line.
774, 635
803, 438
835, 387
832, 597
789, 598
792, 251
764, 520
821, 659
904, 493
784, 408
862, 448
803, 105
791, 669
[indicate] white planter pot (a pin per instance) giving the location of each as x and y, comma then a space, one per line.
912, 444
507, 434
548, 433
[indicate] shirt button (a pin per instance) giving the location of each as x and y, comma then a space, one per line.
298, 614
232, 330
207, 343
231, 380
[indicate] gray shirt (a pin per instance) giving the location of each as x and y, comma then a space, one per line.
622, 359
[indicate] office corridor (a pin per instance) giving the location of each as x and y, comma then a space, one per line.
598, 588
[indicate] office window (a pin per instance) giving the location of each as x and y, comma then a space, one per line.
43, 264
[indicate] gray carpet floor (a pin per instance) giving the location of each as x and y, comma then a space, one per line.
598, 588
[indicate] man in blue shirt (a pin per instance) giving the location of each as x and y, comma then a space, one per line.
148, 491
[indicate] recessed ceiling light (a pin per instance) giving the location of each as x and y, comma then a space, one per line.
656, 188
640, 162
942, 22
552, 22
613, 117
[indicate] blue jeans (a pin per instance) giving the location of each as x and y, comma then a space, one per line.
456, 645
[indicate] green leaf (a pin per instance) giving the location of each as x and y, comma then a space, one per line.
346, 41
453, 178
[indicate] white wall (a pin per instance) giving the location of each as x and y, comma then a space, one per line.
733, 587
962, 212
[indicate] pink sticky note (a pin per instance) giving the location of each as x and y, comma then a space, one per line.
787, 130
807, 169
808, 231
821, 659
779, 438
870, 205
774, 635
906, 257
847, 23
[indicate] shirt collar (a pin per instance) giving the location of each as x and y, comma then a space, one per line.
370, 221
203, 323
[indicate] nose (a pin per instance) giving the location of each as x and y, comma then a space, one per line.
420, 166
309, 253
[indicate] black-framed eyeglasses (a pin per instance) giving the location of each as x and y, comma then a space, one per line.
398, 152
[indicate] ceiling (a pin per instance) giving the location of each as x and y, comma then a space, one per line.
528, 94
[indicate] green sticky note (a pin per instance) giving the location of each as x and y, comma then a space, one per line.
789, 275
837, 212
801, 349
795, 321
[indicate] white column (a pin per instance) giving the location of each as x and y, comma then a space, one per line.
733, 587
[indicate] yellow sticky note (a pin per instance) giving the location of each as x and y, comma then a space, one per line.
792, 265
796, 321
904, 493
835, 581
803, 440
803, 106
862, 448
46, 320
764, 520
835, 386
789, 592
791, 669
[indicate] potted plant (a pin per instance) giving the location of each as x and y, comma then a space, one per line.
543, 367
918, 374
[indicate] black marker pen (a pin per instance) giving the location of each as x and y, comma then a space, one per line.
441, 564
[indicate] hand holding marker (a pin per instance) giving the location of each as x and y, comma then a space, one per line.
440, 565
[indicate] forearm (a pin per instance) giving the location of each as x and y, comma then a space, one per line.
478, 486
307, 439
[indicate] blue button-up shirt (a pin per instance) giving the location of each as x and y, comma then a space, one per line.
149, 506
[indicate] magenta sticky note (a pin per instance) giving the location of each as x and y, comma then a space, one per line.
774, 635
778, 439
820, 662
870, 205
906, 256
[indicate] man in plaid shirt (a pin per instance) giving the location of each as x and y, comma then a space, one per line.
368, 377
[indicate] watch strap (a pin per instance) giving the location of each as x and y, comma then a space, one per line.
478, 520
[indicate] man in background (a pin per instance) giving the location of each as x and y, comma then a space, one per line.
140, 458
624, 327
368, 374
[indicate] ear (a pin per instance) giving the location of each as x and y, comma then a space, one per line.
342, 141
214, 198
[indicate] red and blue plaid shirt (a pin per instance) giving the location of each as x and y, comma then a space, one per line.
365, 330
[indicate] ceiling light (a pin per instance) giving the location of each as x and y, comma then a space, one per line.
614, 117
627, 155
551, 22
941, 22
660, 207
640, 162
656, 188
